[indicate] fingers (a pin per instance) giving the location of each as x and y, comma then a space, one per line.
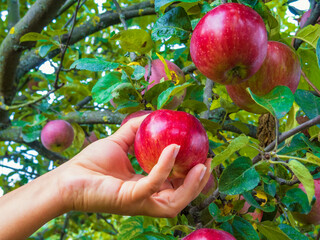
151, 184
193, 184
169, 203
125, 135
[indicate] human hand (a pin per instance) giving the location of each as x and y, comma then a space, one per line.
102, 179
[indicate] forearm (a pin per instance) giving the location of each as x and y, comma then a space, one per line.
27, 208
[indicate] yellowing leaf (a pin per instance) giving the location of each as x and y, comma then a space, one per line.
134, 40
12, 30
305, 177
166, 69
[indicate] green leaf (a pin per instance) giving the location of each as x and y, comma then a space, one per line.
173, 23
309, 64
293, 233
161, 5
309, 103
278, 101
234, 146
250, 3
131, 228
240, 229
271, 231
164, 97
44, 50
210, 126
134, 40
152, 94
309, 34
318, 52
30, 134
194, 105
240, 176
138, 72
249, 198
215, 212
94, 65
102, 90
241, 126
305, 177
34, 36
296, 201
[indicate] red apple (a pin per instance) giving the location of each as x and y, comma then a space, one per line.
313, 217
57, 135
256, 214
89, 139
229, 44
209, 234
304, 18
164, 127
210, 186
158, 72
281, 67
134, 115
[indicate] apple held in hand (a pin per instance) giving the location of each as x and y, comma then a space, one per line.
209, 234
313, 217
158, 72
57, 135
281, 67
229, 44
164, 127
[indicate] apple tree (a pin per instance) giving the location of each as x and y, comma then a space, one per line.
91, 63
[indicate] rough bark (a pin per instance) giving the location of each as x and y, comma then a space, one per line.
38, 16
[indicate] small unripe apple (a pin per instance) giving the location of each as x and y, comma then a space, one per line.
229, 44
313, 217
90, 139
164, 127
209, 234
158, 72
57, 135
280, 67
134, 115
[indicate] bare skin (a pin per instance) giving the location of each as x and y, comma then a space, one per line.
101, 179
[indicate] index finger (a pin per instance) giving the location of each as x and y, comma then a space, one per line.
125, 135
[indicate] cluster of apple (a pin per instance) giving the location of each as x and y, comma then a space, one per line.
229, 45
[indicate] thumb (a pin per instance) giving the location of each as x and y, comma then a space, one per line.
151, 184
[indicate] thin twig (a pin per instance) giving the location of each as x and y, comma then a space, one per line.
277, 134
121, 16
8, 108
56, 85
310, 83
65, 226
115, 232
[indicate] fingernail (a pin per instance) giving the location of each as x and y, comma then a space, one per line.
176, 151
203, 172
